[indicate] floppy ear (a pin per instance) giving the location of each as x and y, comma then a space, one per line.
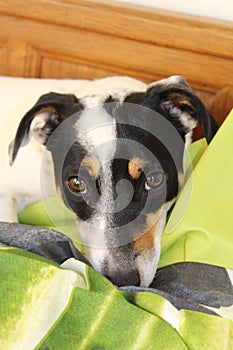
42, 119
174, 98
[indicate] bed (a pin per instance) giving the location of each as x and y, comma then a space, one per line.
45, 305
67, 39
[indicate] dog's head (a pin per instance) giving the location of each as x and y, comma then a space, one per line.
118, 164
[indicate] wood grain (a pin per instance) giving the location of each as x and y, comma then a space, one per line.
135, 22
61, 69
92, 39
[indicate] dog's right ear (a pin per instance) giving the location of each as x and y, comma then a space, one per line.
42, 119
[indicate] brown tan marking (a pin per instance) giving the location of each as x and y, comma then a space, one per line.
48, 109
146, 241
92, 165
179, 99
135, 167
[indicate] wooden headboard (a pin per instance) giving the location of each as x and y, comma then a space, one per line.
92, 39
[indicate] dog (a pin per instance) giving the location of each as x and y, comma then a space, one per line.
115, 159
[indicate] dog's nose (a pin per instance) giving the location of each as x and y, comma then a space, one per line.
125, 278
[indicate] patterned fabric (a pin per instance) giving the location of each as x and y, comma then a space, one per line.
46, 306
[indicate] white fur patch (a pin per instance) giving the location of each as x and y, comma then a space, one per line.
187, 121
37, 125
96, 131
96, 127
174, 79
114, 86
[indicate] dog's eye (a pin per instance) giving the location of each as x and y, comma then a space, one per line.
77, 185
154, 181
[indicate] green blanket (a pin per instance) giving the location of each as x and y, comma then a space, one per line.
47, 306
44, 306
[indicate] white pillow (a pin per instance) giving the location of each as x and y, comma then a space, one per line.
18, 95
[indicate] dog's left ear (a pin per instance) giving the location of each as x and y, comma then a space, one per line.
174, 98
42, 119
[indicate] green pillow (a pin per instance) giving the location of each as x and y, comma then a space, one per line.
204, 234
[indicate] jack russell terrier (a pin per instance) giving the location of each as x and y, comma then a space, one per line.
116, 162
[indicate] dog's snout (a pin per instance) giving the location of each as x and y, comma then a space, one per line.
125, 278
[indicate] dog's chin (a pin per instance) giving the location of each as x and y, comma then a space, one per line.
131, 264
